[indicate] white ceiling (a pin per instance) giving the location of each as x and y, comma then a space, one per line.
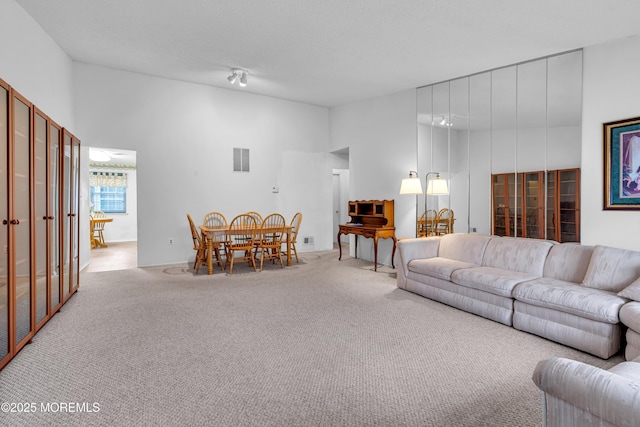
326, 52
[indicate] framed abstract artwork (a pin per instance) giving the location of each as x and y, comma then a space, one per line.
622, 164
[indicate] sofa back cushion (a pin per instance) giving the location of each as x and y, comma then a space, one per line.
612, 269
463, 247
568, 262
517, 254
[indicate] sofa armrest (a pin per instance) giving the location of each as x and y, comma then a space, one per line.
604, 394
417, 248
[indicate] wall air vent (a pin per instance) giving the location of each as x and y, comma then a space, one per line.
241, 160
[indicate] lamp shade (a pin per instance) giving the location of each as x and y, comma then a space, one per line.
437, 186
411, 186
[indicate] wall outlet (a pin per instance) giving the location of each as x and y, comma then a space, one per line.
473, 229
307, 240
171, 240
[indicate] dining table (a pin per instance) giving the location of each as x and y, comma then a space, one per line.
214, 235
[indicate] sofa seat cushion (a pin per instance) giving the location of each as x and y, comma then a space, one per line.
489, 279
567, 297
630, 315
438, 267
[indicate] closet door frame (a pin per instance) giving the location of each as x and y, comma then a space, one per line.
17, 346
9, 320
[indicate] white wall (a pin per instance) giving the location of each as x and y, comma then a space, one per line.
171, 123
184, 136
381, 136
611, 92
34, 65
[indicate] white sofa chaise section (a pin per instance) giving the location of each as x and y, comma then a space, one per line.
562, 292
575, 302
580, 395
577, 394
630, 317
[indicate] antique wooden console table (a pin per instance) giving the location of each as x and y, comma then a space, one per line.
372, 219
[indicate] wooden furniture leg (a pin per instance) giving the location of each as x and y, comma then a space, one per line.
375, 253
209, 256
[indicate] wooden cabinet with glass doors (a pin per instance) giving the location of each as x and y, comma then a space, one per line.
518, 205
563, 205
31, 175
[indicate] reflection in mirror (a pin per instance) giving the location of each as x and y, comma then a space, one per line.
459, 154
440, 165
508, 141
564, 111
480, 153
564, 90
530, 146
507, 210
424, 147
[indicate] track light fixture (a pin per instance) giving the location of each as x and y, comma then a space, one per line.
238, 74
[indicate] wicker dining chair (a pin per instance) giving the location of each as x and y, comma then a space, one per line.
217, 220
270, 240
241, 237
198, 245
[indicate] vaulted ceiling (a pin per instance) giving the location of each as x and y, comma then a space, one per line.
326, 52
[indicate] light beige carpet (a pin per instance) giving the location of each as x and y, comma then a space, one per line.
320, 343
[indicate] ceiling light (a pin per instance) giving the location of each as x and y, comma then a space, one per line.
98, 156
238, 73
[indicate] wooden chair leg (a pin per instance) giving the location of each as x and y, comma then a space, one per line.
231, 265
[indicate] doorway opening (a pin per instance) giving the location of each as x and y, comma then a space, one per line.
113, 211
340, 183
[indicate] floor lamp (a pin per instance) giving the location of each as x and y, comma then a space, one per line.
435, 187
412, 185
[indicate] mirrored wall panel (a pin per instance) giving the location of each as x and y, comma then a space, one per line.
507, 144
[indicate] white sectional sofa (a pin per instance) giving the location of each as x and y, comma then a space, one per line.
565, 292
581, 296
576, 394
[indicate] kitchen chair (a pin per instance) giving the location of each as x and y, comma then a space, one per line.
97, 229
198, 245
241, 237
444, 222
269, 242
256, 216
295, 226
430, 215
217, 220
425, 223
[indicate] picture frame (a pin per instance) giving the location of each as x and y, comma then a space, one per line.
621, 140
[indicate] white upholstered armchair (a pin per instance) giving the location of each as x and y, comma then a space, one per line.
577, 394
